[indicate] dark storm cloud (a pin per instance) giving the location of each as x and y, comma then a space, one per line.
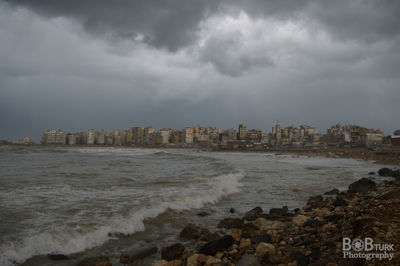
75, 65
171, 24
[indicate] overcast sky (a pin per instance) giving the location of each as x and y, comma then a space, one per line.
76, 65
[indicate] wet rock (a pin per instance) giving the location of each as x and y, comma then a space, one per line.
385, 172
95, 261
190, 232
299, 220
237, 235
172, 252
230, 223
334, 191
261, 239
265, 249
340, 202
57, 257
232, 210
300, 258
219, 244
209, 236
371, 173
196, 259
202, 214
253, 214
174, 263
279, 211
362, 186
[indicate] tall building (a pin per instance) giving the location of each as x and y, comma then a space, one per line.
242, 132
138, 135
149, 136
54, 137
187, 135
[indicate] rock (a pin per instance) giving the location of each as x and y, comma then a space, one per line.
219, 244
247, 260
315, 201
311, 222
172, 252
237, 235
230, 223
174, 263
209, 236
265, 249
299, 220
279, 211
340, 202
393, 194
300, 258
371, 173
196, 260
232, 210
190, 232
202, 214
261, 239
334, 191
253, 214
95, 261
362, 186
385, 172
245, 244
249, 230
160, 263
57, 257
141, 255
261, 223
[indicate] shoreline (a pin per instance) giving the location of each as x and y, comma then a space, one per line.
308, 236
312, 235
385, 156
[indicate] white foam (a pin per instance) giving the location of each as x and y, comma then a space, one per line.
68, 241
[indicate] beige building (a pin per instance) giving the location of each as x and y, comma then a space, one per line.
187, 135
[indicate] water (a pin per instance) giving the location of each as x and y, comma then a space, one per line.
103, 201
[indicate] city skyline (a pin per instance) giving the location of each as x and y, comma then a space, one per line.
101, 64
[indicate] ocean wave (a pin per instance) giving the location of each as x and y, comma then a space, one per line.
68, 241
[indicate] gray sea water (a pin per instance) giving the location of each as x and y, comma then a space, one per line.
94, 201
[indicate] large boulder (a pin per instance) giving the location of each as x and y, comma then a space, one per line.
362, 186
219, 244
279, 211
172, 252
231, 223
385, 172
253, 214
339, 202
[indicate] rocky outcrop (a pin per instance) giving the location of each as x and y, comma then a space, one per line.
253, 214
362, 186
230, 223
212, 247
172, 252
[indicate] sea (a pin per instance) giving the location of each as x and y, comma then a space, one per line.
92, 201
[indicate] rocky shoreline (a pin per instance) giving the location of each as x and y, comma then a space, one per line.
312, 235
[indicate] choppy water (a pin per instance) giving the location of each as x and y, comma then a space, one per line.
94, 201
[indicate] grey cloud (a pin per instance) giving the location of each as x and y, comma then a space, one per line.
227, 54
170, 24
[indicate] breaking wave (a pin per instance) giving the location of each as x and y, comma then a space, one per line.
73, 240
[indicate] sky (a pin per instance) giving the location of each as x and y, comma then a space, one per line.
75, 65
